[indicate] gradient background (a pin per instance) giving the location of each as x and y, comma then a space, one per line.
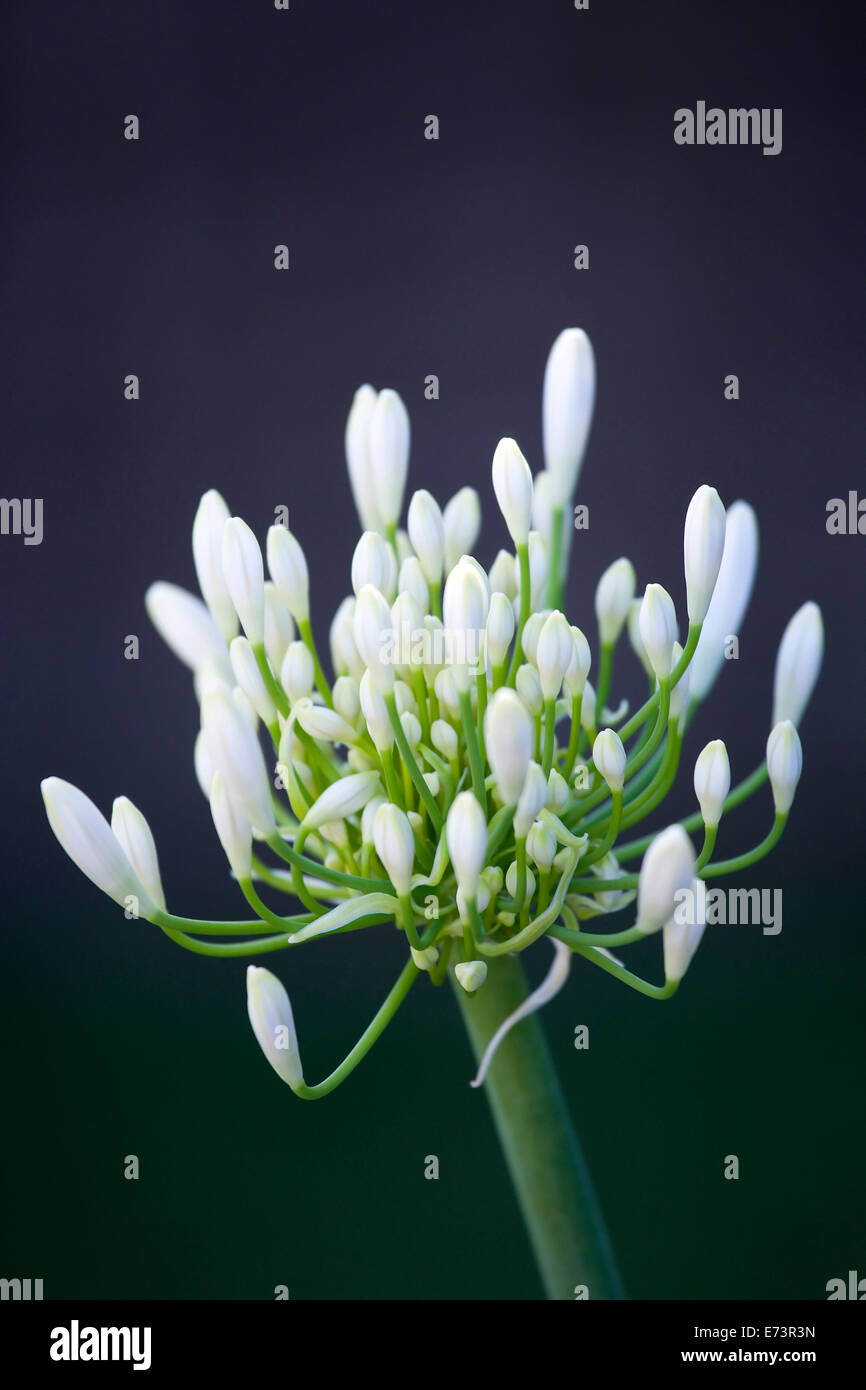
411, 257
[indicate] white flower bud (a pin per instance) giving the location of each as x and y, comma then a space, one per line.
531, 633
605, 868
411, 581
357, 442
136, 840
658, 628
372, 630
636, 640
562, 862
207, 546
297, 676
347, 701
249, 678
608, 755
404, 699
342, 798
389, 454
368, 818
528, 684
88, 840
270, 1014
185, 625
424, 960
798, 663
502, 577
703, 544
427, 534
411, 728
244, 576
784, 764
613, 597
445, 689
375, 713
395, 845
238, 758
492, 879
567, 403
465, 604
462, 521
471, 974
512, 483
466, 835
511, 881
374, 563
323, 723
344, 654
335, 833
279, 627
712, 781
557, 791
432, 780
204, 768
668, 868
287, 565
444, 739
680, 939
480, 571
407, 622
234, 830
541, 846
730, 596
500, 629
531, 801
509, 739
578, 667
554, 654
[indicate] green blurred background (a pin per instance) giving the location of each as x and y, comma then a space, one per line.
242, 1187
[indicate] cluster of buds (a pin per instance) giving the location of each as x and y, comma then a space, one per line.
459, 776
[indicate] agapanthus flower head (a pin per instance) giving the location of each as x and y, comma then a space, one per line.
455, 774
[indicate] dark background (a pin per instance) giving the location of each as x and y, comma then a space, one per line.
411, 257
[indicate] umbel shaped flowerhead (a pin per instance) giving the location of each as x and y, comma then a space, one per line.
454, 774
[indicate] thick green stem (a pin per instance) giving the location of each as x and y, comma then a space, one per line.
554, 1189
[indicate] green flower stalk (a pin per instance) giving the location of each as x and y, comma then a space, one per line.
456, 776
